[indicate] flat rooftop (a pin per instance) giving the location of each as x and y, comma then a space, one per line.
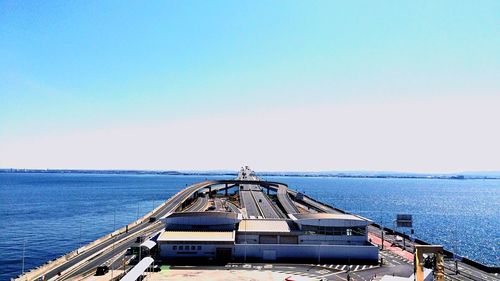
324, 216
197, 236
264, 225
331, 220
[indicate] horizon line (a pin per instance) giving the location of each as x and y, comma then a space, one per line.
470, 172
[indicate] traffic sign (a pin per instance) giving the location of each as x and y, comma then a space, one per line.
404, 220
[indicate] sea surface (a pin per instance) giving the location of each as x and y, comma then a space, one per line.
46, 215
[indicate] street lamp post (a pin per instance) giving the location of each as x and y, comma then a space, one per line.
24, 249
80, 243
382, 230
114, 238
245, 256
319, 241
137, 210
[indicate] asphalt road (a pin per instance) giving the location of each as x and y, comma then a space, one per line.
233, 207
248, 202
199, 205
265, 205
285, 200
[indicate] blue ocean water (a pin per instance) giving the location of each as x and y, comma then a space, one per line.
51, 214
462, 215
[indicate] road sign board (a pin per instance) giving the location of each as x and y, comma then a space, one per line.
404, 220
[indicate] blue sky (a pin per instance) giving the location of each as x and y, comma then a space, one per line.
71, 70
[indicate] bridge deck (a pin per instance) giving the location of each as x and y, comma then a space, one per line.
265, 205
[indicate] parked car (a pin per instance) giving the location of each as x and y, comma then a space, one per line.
101, 270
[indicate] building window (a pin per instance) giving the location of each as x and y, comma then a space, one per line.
181, 248
199, 248
193, 248
174, 247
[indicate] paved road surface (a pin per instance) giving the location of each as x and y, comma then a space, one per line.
285, 200
265, 205
248, 202
199, 205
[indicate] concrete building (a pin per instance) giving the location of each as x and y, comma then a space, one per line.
225, 236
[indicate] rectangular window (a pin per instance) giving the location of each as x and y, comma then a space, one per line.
174, 247
193, 248
181, 248
199, 248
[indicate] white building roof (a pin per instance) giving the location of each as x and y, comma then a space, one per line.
328, 219
264, 226
138, 270
197, 236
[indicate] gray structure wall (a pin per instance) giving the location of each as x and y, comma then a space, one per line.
272, 252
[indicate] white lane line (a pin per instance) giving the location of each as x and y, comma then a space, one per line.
356, 268
343, 267
337, 267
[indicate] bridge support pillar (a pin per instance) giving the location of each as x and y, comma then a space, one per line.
210, 192
225, 193
268, 190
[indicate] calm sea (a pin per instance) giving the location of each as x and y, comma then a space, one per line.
49, 215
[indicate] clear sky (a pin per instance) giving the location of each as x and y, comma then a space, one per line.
277, 85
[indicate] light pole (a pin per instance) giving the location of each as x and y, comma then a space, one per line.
319, 241
382, 230
24, 249
80, 243
137, 210
245, 257
114, 238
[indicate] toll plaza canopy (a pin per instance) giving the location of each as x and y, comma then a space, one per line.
138, 270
